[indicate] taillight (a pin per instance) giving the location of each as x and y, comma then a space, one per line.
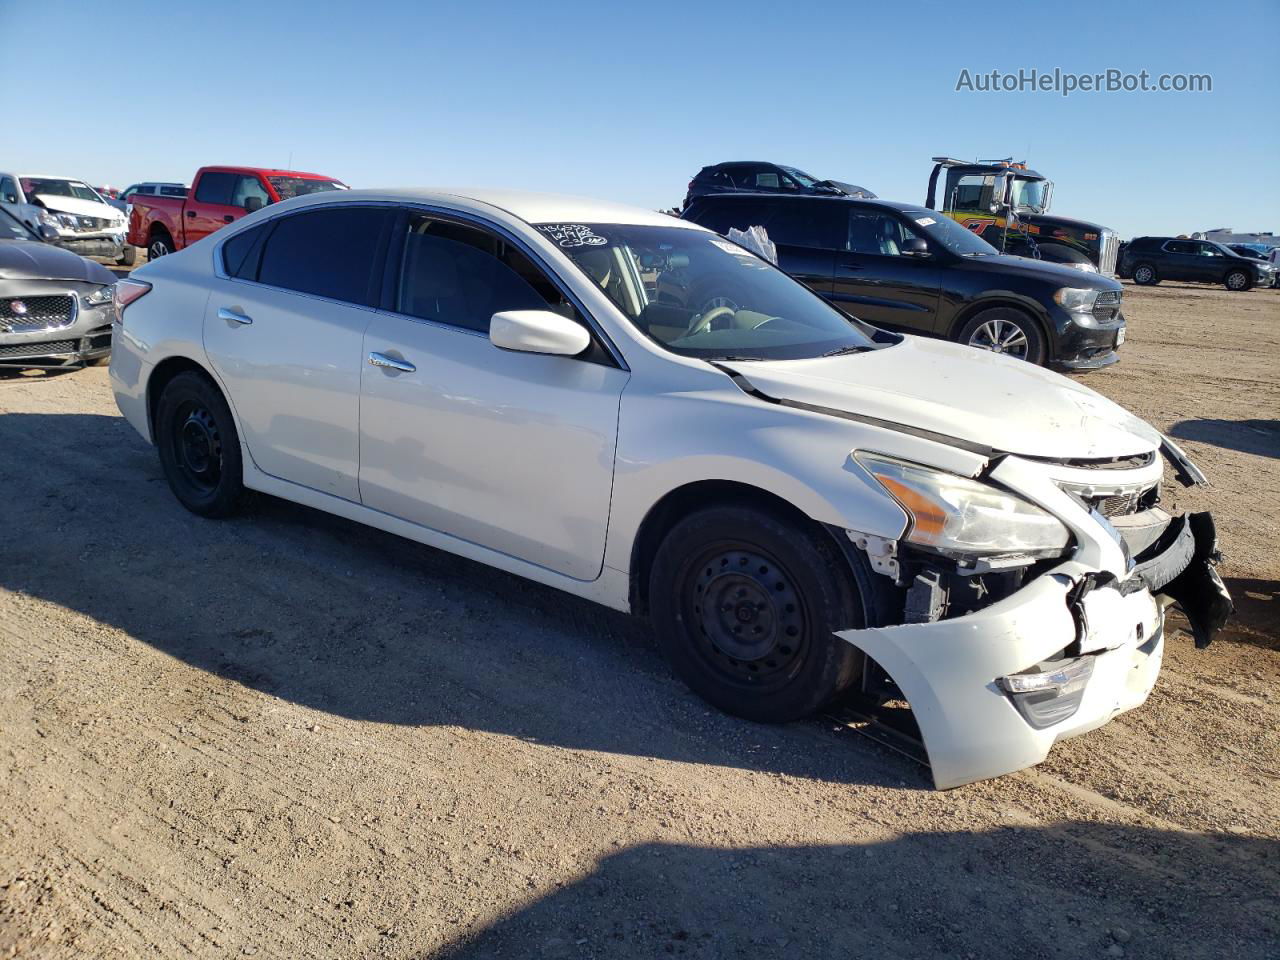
128, 291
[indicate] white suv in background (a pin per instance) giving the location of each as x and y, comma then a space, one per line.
86, 223
633, 409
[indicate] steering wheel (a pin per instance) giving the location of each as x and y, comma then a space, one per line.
703, 322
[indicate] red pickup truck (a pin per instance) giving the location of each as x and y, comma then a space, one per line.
218, 196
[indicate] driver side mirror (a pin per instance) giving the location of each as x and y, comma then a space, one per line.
538, 331
914, 247
252, 203
10, 198
47, 233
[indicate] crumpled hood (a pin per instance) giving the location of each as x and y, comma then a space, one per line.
32, 260
81, 208
1008, 405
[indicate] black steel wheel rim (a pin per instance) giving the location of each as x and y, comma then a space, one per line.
747, 618
197, 446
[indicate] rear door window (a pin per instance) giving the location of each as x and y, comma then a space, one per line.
720, 217
216, 188
327, 253
808, 223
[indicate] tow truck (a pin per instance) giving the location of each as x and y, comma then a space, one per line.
1007, 205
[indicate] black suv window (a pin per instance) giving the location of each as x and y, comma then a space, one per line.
460, 275
874, 231
1182, 246
328, 253
720, 216
808, 223
216, 188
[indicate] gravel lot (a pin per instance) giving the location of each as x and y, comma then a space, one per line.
290, 736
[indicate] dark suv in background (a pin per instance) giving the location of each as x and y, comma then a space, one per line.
908, 268
758, 176
1148, 260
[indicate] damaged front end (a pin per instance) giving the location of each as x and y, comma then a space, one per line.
1002, 655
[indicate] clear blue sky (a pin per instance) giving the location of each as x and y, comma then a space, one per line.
628, 100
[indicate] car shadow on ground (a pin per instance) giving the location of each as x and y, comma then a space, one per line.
1257, 616
348, 620
1258, 437
1148, 893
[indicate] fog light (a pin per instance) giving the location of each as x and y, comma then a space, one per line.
1049, 692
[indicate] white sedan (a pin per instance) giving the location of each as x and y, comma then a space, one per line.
633, 409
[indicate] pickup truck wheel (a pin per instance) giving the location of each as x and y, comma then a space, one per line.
199, 447
745, 605
1237, 280
1005, 330
1144, 275
128, 256
160, 246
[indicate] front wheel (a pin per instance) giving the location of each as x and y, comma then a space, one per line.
745, 605
128, 256
1237, 280
160, 246
1005, 330
199, 447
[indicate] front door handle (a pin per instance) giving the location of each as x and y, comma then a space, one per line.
191, 213
232, 316
382, 360
228, 218
850, 267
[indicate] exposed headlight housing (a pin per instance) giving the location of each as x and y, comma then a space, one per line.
1085, 267
100, 296
1076, 299
963, 518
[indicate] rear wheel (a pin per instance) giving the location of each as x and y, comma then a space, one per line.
199, 447
1005, 330
160, 246
1238, 280
745, 605
1144, 275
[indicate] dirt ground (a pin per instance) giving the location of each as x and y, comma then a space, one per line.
289, 736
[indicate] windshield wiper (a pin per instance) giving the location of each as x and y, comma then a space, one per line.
841, 351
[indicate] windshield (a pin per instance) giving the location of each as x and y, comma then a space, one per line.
12, 229
944, 231
1031, 195
801, 177
290, 187
59, 188
699, 295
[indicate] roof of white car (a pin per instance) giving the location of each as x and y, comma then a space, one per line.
534, 207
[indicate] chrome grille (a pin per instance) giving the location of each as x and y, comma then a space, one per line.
1110, 246
1107, 307
25, 314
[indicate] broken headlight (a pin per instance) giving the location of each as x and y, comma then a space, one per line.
959, 517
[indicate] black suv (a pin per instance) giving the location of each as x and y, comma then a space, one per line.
908, 268
1148, 260
757, 176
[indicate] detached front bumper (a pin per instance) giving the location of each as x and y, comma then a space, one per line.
954, 673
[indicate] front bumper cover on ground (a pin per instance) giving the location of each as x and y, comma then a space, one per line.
949, 670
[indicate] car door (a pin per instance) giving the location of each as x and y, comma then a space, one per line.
1181, 261
284, 330
210, 207
511, 451
1211, 262
875, 281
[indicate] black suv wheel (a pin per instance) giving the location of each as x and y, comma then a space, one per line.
1144, 275
1237, 280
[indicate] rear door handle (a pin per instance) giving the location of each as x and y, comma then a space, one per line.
382, 360
232, 316
850, 267
191, 213
228, 218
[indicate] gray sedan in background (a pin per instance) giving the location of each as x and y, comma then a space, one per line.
55, 306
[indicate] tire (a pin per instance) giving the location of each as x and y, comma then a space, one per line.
763, 647
1006, 331
160, 246
199, 447
1144, 275
1237, 280
128, 257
